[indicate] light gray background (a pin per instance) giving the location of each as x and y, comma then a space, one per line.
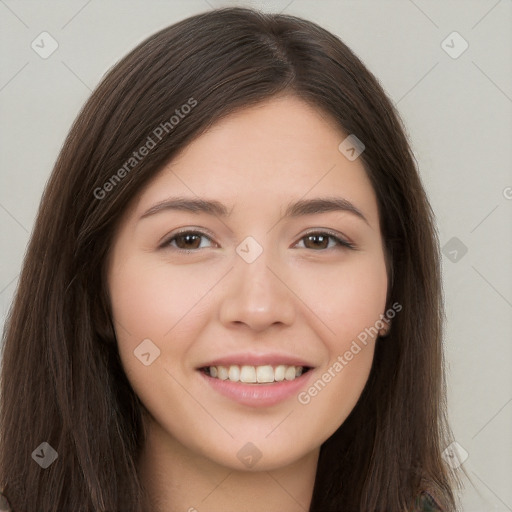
458, 116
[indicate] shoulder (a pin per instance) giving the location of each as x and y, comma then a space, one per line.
426, 503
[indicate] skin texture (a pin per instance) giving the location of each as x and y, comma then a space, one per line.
301, 298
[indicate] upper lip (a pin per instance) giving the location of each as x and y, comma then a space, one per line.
258, 359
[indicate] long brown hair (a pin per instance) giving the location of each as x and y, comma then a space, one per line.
62, 379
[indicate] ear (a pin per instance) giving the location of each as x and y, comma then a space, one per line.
385, 330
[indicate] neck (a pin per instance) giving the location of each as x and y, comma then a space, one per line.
178, 479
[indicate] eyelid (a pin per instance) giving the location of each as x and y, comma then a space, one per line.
342, 241
164, 241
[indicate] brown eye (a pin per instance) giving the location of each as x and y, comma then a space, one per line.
186, 241
317, 241
320, 240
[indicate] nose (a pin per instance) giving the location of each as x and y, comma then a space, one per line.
257, 296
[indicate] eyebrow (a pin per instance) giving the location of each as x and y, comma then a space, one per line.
294, 209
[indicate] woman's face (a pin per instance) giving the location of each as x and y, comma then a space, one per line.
252, 284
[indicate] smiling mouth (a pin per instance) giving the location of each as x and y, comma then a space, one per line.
265, 374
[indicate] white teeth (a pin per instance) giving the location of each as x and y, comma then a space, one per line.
289, 374
222, 372
247, 374
234, 373
265, 374
279, 372
255, 374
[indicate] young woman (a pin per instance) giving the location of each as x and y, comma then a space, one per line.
231, 299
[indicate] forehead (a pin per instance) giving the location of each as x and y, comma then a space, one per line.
263, 157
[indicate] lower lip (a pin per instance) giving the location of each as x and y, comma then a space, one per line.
258, 395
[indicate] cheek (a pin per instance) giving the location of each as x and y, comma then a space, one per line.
330, 398
154, 300
166, 304
348, 297
349, 301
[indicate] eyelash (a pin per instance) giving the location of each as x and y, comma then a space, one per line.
340, 242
